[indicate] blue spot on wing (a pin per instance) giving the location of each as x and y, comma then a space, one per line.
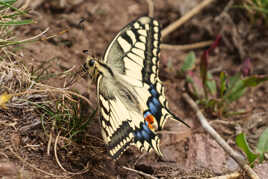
154, 92
146, 128
138, 135
156, 102
143, 133
153, 103
152, 107
146, 114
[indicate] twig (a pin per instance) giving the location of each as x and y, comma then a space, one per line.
150, 8
35, 168
236, 156
185, 18
186, 47
139, 172
228, 176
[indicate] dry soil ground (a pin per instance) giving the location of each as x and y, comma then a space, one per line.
190, 153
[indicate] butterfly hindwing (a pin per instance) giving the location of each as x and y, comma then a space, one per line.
121, 124
117, 134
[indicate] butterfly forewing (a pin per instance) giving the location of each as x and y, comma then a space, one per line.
134, 51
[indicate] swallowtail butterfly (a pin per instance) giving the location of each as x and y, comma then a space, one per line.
130, 95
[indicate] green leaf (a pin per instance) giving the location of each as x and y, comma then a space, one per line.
262, 145
223, 87
241, 142
188, 62
233, 80
238, 87
236, 91
14, 14
204, 66
211, 84
21, 22
9, 2
235, 88
255, 80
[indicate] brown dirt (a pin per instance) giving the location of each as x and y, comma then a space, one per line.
189, 153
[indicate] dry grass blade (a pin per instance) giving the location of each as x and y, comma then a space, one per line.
50, 137
186, 47
34, 38
58, 162
228, 176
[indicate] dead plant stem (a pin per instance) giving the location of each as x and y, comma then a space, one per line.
185, 18
236, 156
186, 47
150, 8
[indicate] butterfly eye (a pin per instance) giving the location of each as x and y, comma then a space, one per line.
91, 62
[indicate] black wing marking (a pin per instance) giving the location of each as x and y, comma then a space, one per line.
134, 52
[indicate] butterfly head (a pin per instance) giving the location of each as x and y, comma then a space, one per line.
90, 67
89, 63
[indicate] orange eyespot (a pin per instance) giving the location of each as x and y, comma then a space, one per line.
150, 119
